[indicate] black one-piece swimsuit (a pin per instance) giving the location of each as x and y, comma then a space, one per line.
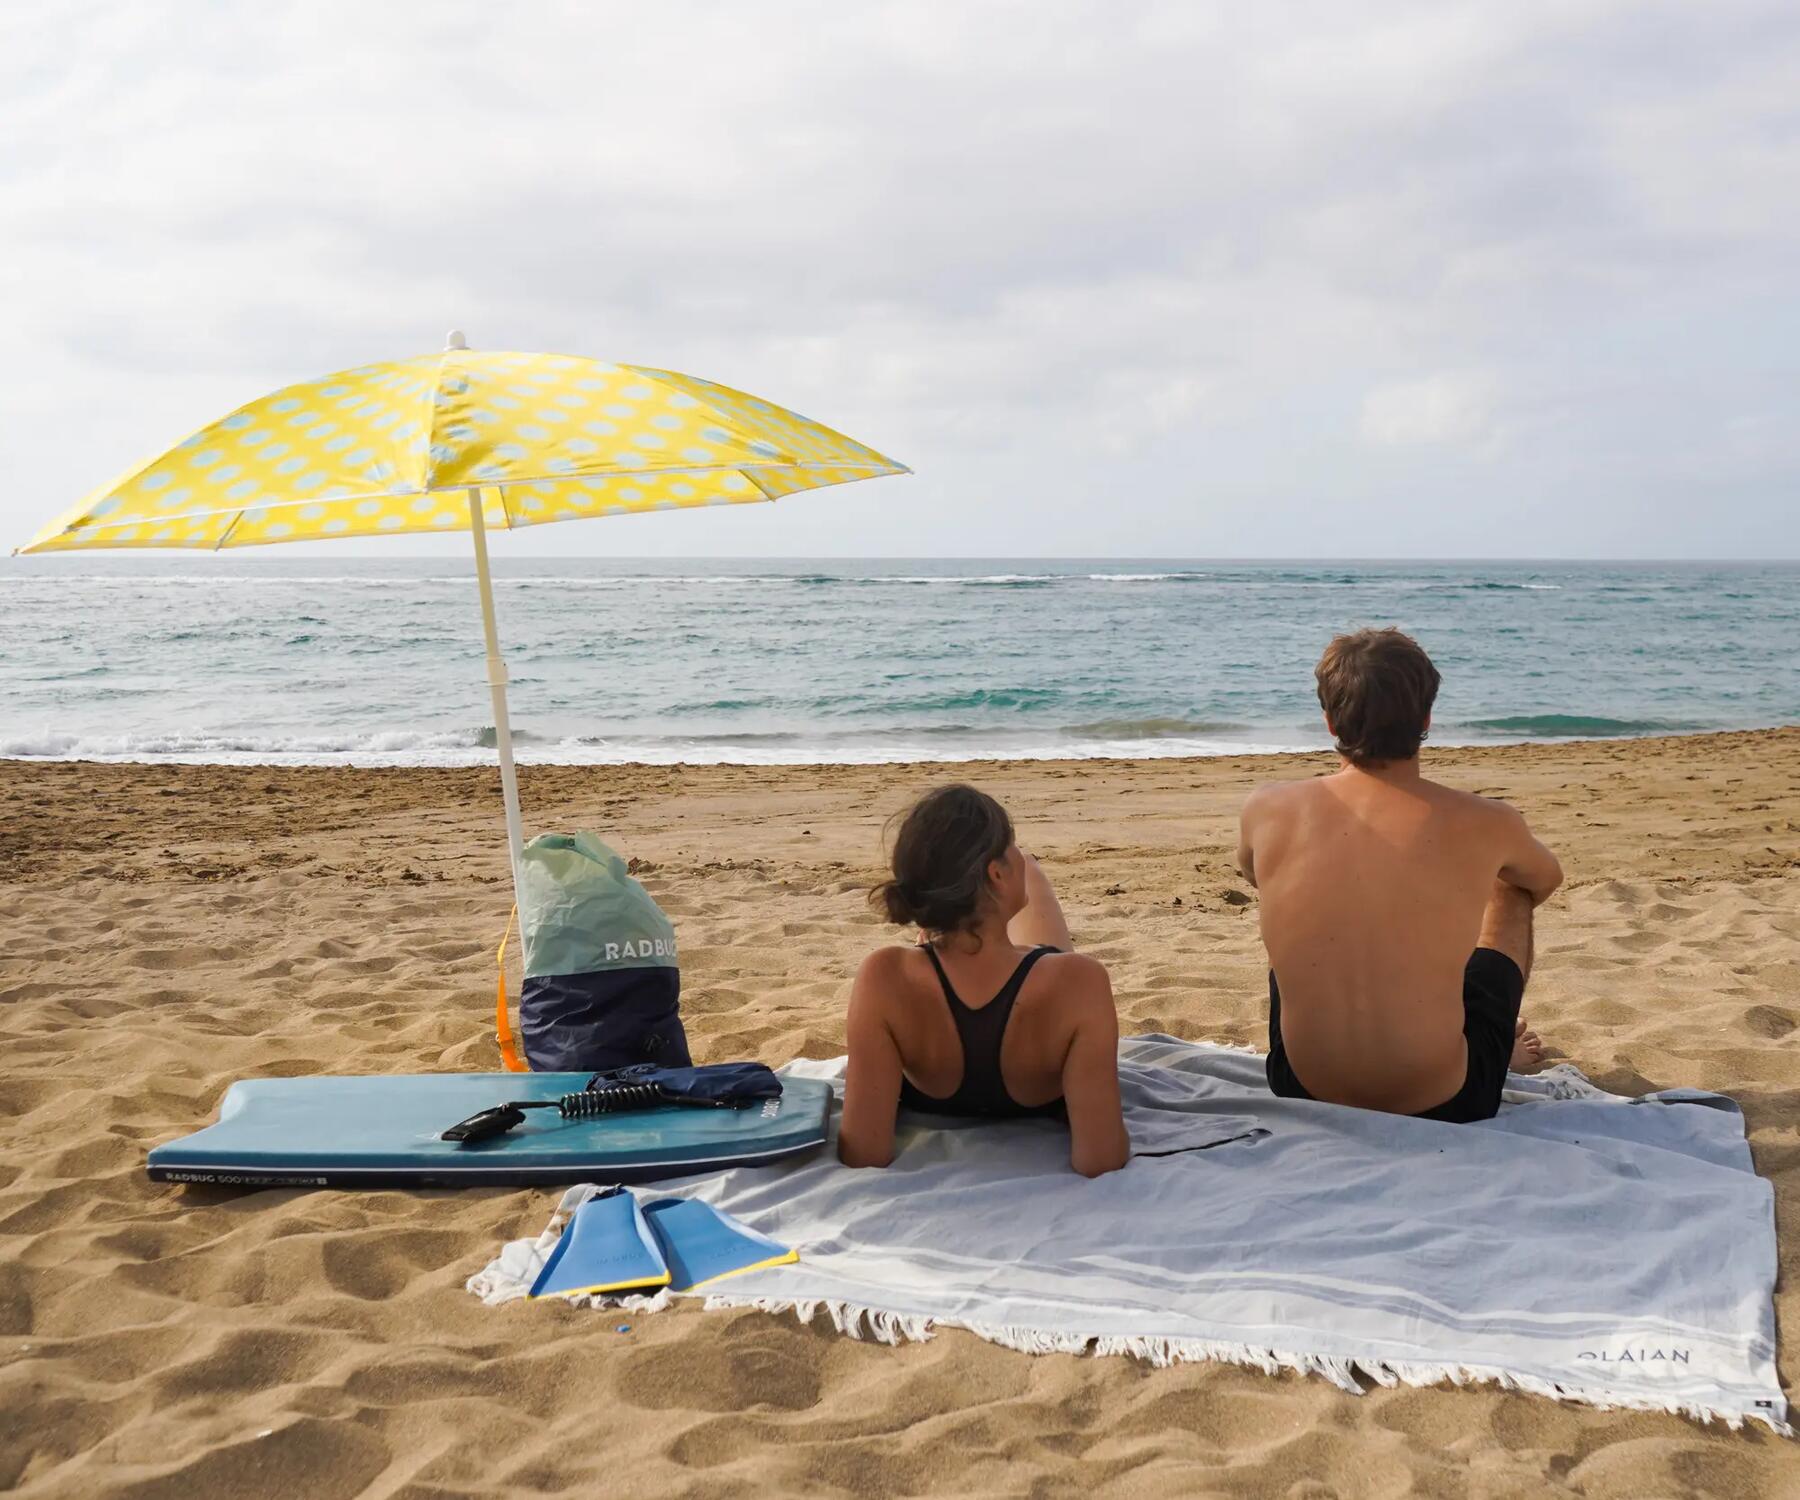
981, 1032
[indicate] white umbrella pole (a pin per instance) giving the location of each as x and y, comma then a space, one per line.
496, 676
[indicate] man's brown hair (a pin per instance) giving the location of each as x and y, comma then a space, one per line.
1377, 688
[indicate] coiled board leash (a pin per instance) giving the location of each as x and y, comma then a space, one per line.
585, 1105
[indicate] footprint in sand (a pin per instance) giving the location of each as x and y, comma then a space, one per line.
1769, 1021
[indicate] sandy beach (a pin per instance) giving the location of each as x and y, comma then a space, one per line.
170, 929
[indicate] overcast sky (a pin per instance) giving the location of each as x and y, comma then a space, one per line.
1513, 280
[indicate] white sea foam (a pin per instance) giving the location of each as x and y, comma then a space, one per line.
400, 744
1141, 577
409, 748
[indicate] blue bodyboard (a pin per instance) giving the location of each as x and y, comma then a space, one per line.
383, 1131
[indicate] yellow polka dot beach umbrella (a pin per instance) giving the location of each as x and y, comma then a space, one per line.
463, 440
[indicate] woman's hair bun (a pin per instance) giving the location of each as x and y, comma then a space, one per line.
897, 901
946, 842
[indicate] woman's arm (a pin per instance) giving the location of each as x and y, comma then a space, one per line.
872, 1075
1098, 1141
1041, 919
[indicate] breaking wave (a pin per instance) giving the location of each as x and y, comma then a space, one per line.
1573, 726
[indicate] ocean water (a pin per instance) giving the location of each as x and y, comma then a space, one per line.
379, 661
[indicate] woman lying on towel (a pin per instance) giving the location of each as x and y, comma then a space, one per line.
1036, 1033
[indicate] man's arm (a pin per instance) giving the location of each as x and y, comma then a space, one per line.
1246, 851
1525, 862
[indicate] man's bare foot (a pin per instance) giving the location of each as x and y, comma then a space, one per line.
1528, 1049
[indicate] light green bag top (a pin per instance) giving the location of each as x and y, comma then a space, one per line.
580, 911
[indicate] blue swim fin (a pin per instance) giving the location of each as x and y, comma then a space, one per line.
701, 1244
606, 1247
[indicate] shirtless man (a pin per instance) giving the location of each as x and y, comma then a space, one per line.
1396, 912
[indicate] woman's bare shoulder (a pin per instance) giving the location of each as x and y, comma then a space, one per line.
883, 993
891, 964
1078, 975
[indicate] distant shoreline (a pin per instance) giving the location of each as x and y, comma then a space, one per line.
482, 760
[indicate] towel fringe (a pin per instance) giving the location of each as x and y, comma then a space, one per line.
881, 1326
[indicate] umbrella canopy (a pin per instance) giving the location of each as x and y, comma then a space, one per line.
394, 448
463, 440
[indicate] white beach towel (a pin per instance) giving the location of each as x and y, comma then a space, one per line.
1583, 1246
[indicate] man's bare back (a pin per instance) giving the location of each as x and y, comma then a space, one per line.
1376, 886
1396, 912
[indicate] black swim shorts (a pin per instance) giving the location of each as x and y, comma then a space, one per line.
1493, 989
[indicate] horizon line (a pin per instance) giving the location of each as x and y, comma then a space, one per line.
264, 553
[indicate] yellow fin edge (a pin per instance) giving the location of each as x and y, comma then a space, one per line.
604, 1288
762, 1265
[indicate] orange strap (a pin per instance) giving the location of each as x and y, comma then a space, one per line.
509, 1053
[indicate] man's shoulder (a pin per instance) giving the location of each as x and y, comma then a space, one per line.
1474, 804
1479, 817
1272, 795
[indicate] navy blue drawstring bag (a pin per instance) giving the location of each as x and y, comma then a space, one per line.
722, 1085
602, 983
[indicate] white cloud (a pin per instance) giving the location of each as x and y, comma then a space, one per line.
1446, 408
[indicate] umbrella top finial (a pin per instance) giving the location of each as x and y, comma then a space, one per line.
454, 339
